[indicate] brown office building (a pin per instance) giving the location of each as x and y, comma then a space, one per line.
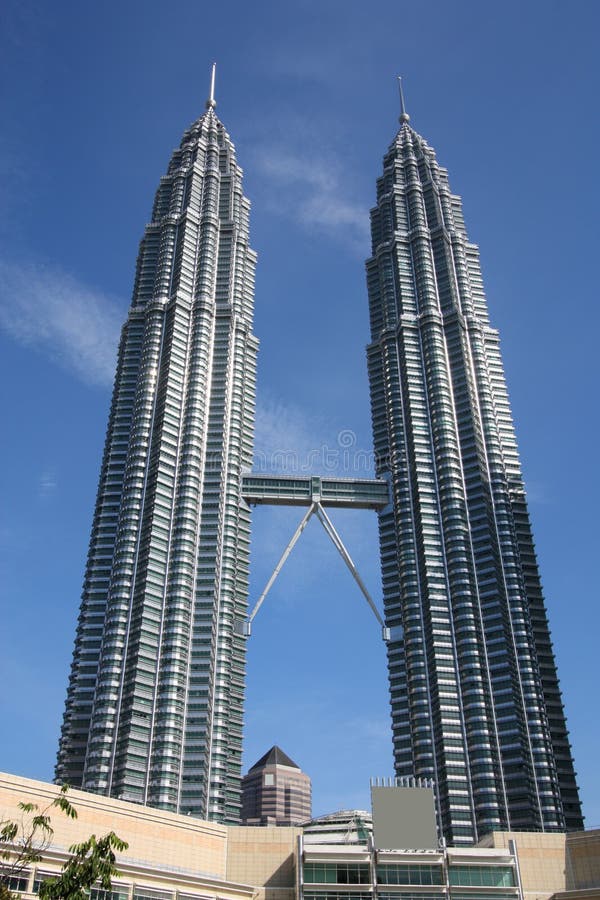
275, 791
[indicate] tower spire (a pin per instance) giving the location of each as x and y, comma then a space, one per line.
211, 102
404, 117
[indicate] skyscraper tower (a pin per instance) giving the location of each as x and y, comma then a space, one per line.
474, 693
154, 704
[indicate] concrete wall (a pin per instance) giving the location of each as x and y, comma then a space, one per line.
166, 851
541, 860
154, 837
583, 860
265, 857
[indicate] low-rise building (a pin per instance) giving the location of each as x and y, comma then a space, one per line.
334, 857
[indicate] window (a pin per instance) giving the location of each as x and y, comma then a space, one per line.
409, 874
337, 873
117, 893
482, 876
337, 895
408, 895
17, 881
143, 893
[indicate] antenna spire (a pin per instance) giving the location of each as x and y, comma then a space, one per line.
211, 102
404, 116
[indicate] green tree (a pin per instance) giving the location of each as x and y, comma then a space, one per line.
92, 862
24, 842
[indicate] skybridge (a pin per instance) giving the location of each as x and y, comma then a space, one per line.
291, 490
316, 492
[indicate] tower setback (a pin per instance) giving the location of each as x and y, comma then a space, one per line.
475, 699
154, 704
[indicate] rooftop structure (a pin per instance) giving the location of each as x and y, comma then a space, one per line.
347, 826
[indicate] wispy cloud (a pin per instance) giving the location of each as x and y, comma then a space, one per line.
283, 426
74, 325
309, 191
48, 484
291, 441
537, 493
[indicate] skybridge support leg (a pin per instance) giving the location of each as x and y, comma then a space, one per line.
247, 628
316, 508
339, 545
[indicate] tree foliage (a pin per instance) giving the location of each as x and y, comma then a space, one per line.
24, 842
92, 861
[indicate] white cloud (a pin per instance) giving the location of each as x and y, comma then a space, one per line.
309, 191
74, 325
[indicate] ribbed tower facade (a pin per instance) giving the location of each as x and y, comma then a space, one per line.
154, 705
475, 699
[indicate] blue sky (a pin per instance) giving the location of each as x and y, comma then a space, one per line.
94, 97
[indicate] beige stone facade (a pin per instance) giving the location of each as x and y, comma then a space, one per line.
541, 860
177, 855
266, 858
563, 866
583, 861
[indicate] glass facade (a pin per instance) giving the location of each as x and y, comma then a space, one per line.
475, 699
481, 876
337, 873
409, 874
336, 870
154, 705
